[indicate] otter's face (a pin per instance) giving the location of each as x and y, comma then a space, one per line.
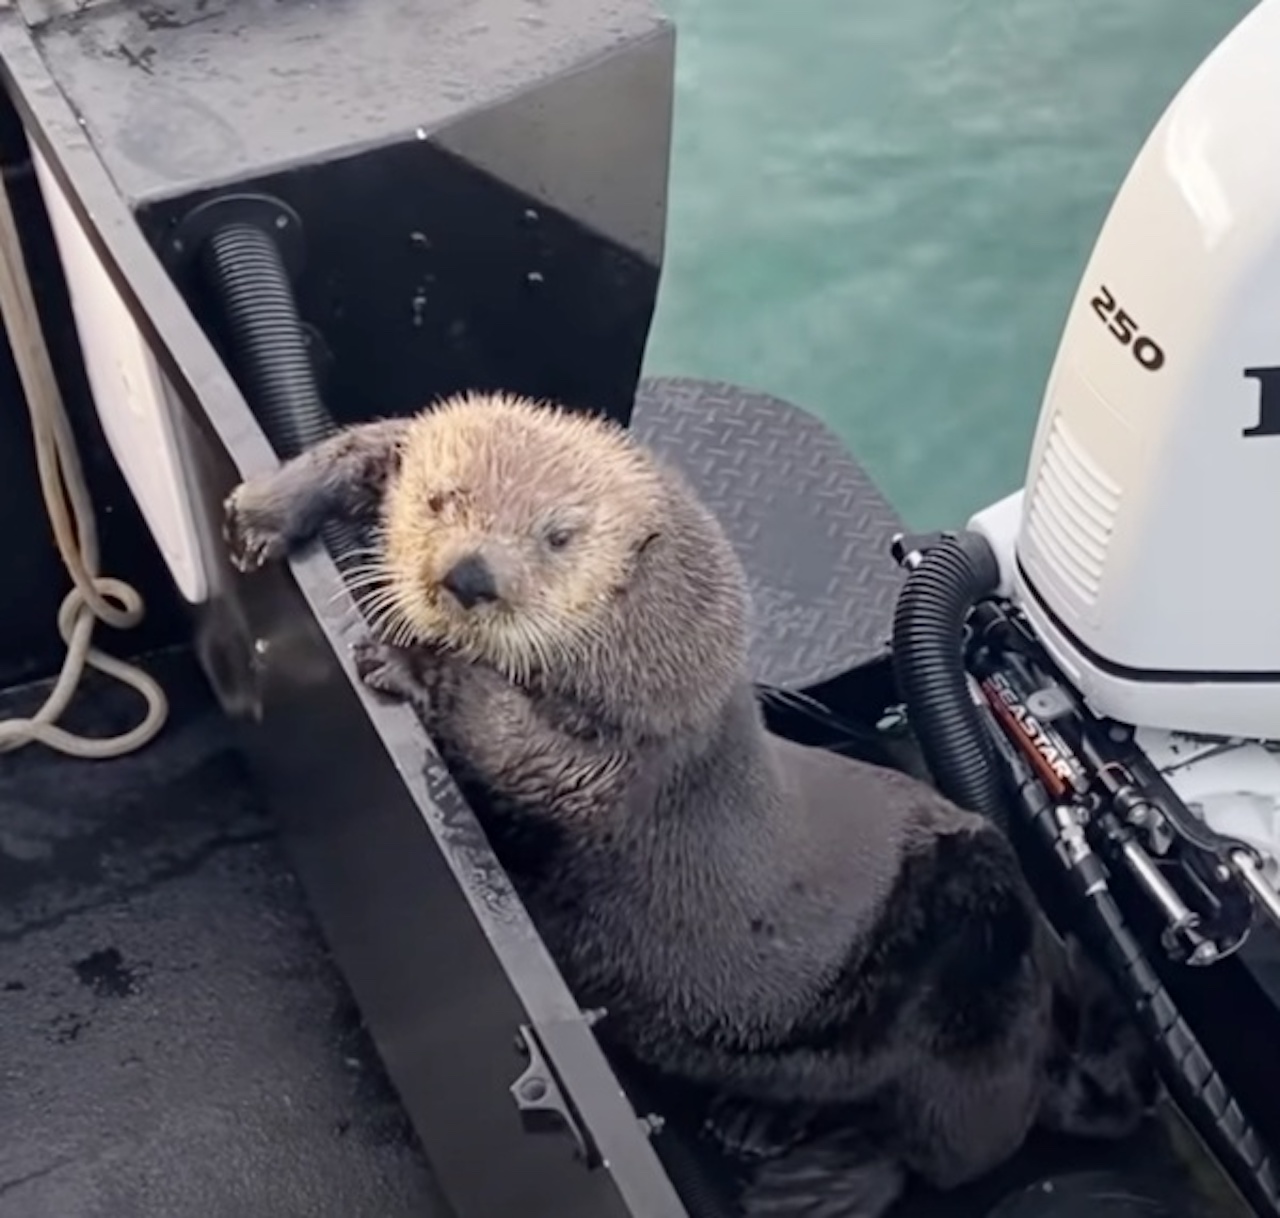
510, 529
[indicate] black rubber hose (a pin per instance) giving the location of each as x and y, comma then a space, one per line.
1195, 1084
697, 1172
1189, 1073
274, 371
272, 363
928, 629
704, 1195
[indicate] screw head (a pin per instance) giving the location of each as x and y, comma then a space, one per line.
534, 1090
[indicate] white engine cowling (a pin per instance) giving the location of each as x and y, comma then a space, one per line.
1145, 555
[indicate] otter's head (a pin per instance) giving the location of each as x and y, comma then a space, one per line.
511, 528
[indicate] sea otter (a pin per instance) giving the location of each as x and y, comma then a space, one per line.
803, 932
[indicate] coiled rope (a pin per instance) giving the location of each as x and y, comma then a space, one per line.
93, 597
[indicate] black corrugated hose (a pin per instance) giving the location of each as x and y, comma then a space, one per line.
962, 755
928, 626
702, 1194
272, 363
706, 1186
1190, 1075
274, 371
1187, 1069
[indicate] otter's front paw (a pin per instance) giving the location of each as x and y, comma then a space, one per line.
385, 669
252, 527
754, 1132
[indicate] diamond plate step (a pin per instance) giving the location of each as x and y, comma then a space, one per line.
810, 526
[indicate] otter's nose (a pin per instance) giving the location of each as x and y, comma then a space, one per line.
471, 581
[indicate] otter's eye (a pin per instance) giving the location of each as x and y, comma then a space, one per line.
558, 537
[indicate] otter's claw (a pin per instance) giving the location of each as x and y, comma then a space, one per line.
754, 1132
252, 537
384, 669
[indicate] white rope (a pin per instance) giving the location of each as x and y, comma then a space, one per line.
93, 598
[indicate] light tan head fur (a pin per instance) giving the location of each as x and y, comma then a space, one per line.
555, 505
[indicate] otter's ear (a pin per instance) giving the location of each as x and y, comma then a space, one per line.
635, 562
647, 542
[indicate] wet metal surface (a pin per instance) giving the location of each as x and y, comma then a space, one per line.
174, 1040
175, 94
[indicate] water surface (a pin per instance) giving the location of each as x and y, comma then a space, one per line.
881, 210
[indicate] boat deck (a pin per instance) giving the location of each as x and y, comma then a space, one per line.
174, 1040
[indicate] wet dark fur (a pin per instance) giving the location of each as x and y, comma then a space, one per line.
808, 934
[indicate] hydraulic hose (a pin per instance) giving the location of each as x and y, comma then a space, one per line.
1200, 1091
702, 1183
928, 626
273, 364
703, 1195
1188, 1071
966, 752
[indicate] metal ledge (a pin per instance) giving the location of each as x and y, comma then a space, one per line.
186, 93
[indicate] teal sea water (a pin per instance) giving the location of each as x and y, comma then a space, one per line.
880, 211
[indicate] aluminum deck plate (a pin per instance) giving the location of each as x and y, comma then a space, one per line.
811, 527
